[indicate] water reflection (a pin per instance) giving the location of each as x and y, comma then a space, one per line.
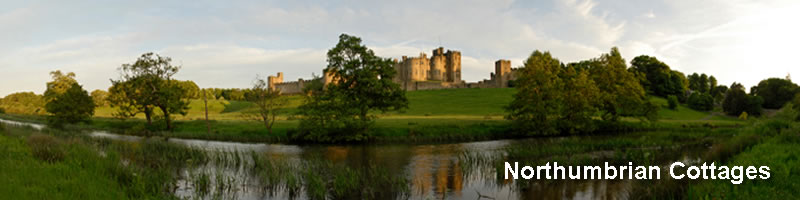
433, 171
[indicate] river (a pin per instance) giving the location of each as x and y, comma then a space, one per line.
433, 171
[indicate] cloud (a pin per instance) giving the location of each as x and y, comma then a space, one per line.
224, 44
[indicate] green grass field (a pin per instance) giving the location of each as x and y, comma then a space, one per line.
453, 115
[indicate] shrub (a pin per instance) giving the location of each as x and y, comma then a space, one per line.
701, 101
672, 102
46, 148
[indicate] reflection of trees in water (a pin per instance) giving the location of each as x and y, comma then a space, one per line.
436, 169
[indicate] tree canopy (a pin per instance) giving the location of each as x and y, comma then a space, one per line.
621, 94
146, 85
67, 101
775, 92
362, 82
657, 78
552, 98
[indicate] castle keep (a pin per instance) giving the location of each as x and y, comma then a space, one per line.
441, 71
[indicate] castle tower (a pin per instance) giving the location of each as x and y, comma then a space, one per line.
274, 80
502, 73
438, 61
453, 66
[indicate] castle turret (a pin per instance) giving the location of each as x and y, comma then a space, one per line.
453, 66
272, 81
502, 73
438, 61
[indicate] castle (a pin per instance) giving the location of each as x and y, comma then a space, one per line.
441, 71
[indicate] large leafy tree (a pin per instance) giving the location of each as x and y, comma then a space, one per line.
656, 76
362, 84
621, 94
737, 101
146, 85
67, 101
551, 98
776, 92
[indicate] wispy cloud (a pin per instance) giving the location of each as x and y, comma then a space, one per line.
224, 44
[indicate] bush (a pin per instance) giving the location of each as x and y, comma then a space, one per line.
46, 148
701, 101
672, 102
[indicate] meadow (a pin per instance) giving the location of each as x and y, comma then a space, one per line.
432, 116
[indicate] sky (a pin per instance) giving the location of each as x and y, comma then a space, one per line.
226, 44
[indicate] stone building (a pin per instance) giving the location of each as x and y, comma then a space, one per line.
443, 70
291, 87
440, 71
500, 78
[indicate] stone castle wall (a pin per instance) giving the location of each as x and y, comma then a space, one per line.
441, 71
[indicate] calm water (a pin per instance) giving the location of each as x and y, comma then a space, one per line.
432, 170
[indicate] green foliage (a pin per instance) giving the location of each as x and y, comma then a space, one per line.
67, 101
268, 102
737, 101
100, 97
362, 82
701, 101
23, 103
147, 85
60, 84
191, 88
657, 77
701, 83
73, 106
621, 94
775, 92
46, 147
672, 102
551, 98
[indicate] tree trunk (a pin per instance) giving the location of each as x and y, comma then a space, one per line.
166, 118
205, 102
148, 112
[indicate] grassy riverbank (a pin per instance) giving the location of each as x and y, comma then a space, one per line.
57, 164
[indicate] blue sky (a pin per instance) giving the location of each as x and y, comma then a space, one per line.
227, 43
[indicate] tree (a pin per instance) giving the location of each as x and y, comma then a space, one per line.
60, 84
718, 92
701, 101
672, 102
657, 77
621, 94
67, 104
99, 97
362, 83
703, 83
737, 101
552, 98
191, 88
147, 84
775, 92
268, 102
24, 103
537, 106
